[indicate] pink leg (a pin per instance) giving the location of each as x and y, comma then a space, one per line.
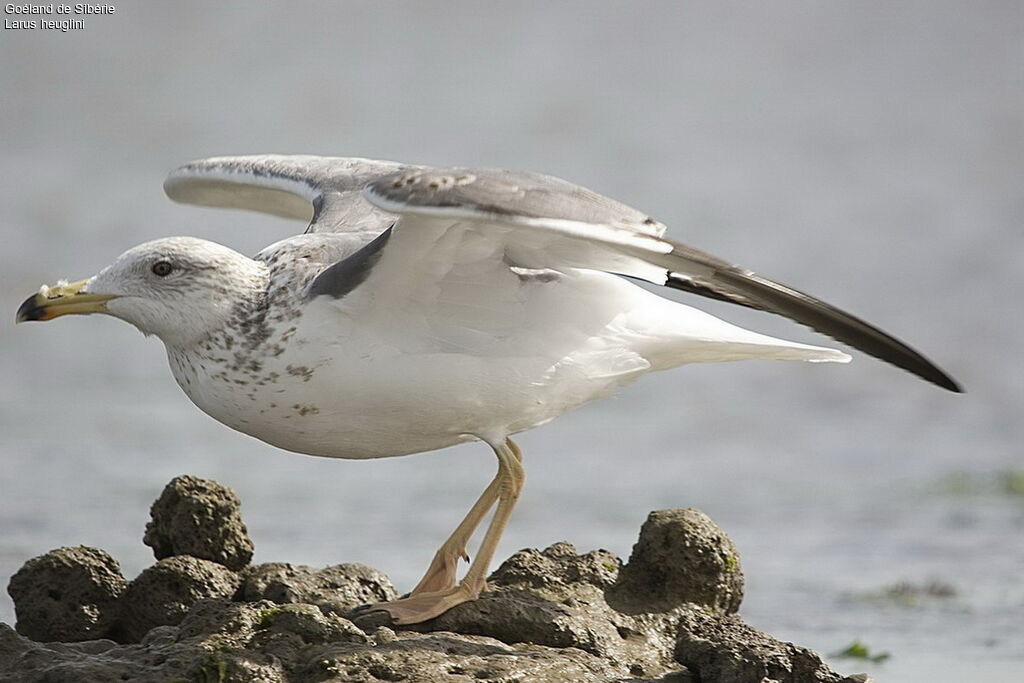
435, 594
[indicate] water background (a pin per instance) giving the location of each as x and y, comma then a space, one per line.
869, 152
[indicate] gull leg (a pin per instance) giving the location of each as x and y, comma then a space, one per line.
512, 459
423, 604
441, 573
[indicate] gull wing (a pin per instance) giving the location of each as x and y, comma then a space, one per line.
325, 191
451, 218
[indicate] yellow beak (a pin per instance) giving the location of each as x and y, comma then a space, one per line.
52, 302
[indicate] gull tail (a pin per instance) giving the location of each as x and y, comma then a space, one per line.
698, 337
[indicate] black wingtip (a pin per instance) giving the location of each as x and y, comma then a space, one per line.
754, 291
916, 364
946, 382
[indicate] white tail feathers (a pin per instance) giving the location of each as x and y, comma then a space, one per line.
687, 335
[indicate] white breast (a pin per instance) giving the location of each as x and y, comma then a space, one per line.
366, 394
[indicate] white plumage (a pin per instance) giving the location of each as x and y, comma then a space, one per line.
427, 307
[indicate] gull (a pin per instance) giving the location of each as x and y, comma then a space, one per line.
425, 307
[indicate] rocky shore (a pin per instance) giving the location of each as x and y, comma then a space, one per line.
202, 613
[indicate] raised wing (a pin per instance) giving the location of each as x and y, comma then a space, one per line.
325, 191
539, 222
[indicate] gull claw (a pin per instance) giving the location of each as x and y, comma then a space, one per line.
422, 606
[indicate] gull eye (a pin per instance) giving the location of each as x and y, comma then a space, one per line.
162, 268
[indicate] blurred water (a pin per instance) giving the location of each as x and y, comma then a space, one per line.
870, 153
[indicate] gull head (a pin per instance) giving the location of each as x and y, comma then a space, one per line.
180, 289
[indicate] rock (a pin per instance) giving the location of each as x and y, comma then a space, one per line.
201, 518
310, 624
68, 595
285, 632
224, 621
682, 676
232, 642
725, 650
680, 558
212, 649
557, 566
217, 668
556, 598
228, 668
445, 657
548, 615
163, 593
338, 588
93, 661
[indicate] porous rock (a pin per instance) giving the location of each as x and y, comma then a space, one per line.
557, 567
338, 588
201, 518
449, 657
68, 594
210, 645
555, 598
723, 648
163, 593
231, 642
25, 661
550, 615
681, 557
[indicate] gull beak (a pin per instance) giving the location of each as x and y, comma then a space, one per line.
64, 299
